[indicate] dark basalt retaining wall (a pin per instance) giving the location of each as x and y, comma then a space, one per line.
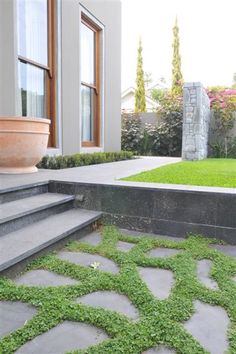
156, 210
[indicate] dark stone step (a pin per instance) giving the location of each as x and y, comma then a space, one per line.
23, 212
21, 245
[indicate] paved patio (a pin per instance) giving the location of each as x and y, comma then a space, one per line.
101, 173
107, 173
208, 324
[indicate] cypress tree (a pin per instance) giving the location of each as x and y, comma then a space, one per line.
177, 77
140, 99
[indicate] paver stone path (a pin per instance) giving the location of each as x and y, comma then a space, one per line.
159, 281
41, 277
124, 246
163, 252
86, 259
13, 315
75, 326
203, 273
67, 336
209, 325
110, 300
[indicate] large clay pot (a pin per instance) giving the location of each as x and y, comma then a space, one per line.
23, 142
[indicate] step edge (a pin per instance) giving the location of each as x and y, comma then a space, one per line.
65, 200
50, 242
24, 186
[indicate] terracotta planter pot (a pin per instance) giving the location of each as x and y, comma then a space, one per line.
23, 142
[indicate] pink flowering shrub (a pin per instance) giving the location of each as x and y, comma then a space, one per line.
223, 105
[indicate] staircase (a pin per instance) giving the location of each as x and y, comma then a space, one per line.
33, 221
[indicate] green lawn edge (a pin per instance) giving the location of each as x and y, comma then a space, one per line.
209, 172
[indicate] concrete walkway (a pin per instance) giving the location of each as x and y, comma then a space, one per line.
107, 173
101, 173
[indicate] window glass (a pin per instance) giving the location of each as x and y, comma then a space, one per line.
32, 30
87, 108
87, 54
32, 85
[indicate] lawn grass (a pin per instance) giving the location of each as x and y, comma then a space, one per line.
209, 172
160, 322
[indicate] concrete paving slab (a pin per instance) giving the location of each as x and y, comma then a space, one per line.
112, 301
41, 277
13, 315
100, 173
203, 271
229, 250
159, 281
159, 350
94, 238
86, 259
65, 337
124, 246
209, 326
163, 252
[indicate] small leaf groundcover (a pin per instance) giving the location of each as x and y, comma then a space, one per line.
160, 322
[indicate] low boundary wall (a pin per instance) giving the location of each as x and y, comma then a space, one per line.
163, 211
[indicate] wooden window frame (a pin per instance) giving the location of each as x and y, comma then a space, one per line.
50, 70
96, 87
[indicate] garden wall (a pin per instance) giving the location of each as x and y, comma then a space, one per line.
163, 211
145, 117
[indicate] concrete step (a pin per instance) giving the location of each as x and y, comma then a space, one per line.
20, 246
22, 212
20, 192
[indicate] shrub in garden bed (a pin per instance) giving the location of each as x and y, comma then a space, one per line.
76, 160
223, 106
160, 139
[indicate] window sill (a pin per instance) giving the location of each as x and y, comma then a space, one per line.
92, 149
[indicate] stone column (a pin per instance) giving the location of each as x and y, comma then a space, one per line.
196, 121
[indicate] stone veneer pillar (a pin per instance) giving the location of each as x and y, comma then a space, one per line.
196, 119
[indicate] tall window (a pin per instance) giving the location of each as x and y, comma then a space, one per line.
36, 70
90, 86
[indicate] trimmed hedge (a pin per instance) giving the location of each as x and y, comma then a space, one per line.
76, 160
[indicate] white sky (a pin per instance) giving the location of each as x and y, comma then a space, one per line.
207, 39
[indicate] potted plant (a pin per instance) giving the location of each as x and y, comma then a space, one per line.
23, 142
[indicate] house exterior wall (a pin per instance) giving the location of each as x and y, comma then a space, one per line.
108, 13
8, 59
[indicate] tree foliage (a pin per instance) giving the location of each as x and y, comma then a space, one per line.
177, 77
223, 105
140, 99
170, 128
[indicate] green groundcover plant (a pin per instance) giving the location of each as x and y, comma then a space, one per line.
160, 322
